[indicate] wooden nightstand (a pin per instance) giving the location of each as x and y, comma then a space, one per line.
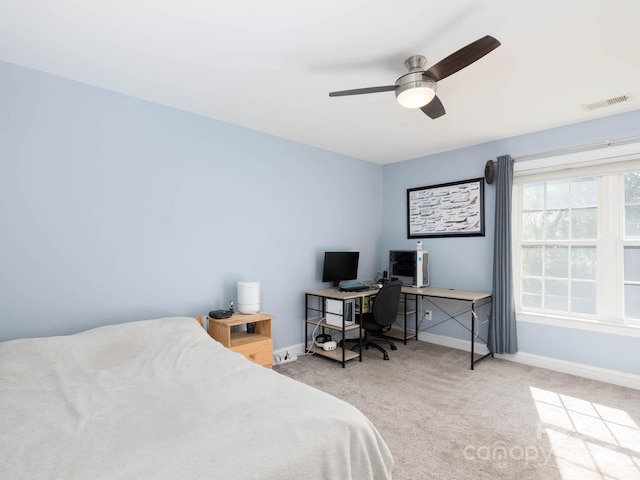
257, 346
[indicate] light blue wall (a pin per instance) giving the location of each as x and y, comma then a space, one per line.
114, 209
465, 263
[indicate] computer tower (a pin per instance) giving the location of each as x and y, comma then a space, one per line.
411, 267
336, 309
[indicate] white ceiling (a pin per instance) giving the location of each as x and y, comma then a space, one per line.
269, 65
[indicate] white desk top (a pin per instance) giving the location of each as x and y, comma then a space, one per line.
338, 295
450, 293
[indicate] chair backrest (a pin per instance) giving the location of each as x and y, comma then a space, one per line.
385, 305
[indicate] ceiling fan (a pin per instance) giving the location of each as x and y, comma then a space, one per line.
417, 89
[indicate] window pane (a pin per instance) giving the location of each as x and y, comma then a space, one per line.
556, 295
632, 204
532, 261
532, 285
632, 220
533, 196
632, 301
583, 262
632, 264
532, 301
558, 225
584, 223
584, 192
556, 262
632, 187
558, 194
533, 225
532, 292
583, 297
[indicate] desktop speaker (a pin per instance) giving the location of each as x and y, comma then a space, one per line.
488, 172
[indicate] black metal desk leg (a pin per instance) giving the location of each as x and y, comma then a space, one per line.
344, 310
405, 320
415, 316
474, 334
306, 325
360, 330
473, 330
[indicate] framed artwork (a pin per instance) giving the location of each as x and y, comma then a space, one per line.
449, 209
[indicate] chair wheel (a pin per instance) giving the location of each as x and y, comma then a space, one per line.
386, 357
393, 347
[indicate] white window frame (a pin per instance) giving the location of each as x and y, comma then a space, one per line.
610, 263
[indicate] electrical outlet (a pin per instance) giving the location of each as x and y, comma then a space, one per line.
427, 315
280, 359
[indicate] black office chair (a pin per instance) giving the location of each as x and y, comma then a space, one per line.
383, 314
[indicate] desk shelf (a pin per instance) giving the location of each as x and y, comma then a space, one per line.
315, 307
406, 308
334, 354
323, 324
399, 334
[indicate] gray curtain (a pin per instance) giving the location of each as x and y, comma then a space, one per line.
502, 327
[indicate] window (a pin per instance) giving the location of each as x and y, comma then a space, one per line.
576, 231
559, 245
632, 244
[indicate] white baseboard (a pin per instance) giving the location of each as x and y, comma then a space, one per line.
457, 343
294, 350
614, 377
578, 369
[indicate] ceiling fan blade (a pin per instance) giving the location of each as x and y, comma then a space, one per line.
359, 91
462, 58
434, 108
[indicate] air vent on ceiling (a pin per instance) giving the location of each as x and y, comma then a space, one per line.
608, 102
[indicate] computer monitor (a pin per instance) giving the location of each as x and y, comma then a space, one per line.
340, 266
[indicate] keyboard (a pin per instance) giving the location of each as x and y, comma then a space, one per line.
356, 287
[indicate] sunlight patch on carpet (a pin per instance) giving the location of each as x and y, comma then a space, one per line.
588, 440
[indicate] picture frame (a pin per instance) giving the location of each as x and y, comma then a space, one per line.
453, 209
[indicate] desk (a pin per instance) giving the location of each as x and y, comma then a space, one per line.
339, 354
452, 294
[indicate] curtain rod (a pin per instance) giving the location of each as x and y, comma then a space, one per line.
606, 143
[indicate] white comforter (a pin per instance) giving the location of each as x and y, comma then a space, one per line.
159, 399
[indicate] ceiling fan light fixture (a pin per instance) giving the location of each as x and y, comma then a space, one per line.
415, 91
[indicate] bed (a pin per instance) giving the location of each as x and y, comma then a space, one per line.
160, 399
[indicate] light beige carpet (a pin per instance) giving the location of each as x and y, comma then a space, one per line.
501, 421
